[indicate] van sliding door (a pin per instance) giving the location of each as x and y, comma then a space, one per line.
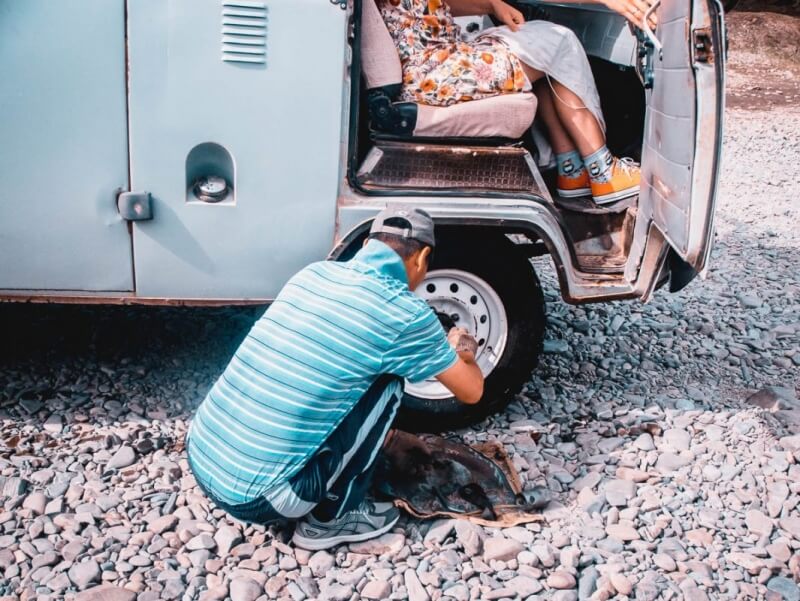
235, 122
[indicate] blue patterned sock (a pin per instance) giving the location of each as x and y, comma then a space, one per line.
599, 164
569, 163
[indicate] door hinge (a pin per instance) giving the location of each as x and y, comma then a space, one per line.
702, 46
135, 206
645, 58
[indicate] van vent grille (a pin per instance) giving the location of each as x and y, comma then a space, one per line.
244, 32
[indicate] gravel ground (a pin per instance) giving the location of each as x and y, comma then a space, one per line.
670, 480
764, 56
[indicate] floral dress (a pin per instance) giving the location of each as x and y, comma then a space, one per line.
438, 67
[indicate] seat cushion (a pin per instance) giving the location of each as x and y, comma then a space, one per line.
379, 59
503, 116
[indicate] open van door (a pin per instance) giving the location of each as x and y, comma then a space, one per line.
684, 64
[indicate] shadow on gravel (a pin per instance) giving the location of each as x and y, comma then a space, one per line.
116, 352
113, 332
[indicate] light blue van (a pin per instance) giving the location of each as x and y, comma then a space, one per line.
202, 151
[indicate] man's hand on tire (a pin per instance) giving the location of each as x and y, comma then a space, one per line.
464, 344
464, 379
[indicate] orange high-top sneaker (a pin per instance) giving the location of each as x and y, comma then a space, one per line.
573, 185
623, 183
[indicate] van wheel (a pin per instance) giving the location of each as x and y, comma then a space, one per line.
490, 288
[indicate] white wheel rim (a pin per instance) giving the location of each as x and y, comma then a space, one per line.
474, 305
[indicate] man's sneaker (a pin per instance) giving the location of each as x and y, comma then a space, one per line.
624, 182
574, 185
367, 521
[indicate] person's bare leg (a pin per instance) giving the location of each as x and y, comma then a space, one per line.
563, 111
546, 111
579, 121
573, 116
572, 179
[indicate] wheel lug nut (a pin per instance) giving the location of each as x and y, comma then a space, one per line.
454, 317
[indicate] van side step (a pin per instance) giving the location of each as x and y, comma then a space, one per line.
429, 168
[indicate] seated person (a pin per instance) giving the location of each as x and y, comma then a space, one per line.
441, 69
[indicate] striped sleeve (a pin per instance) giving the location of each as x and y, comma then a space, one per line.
421, 351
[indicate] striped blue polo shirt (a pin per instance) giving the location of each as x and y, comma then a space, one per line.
332, 330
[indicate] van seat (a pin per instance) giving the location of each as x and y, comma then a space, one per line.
506, 116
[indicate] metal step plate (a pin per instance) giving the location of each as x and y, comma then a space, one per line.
391, 165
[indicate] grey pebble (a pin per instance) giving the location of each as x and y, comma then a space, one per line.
124, 457
786, 588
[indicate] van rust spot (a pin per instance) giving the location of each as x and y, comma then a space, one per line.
702, 45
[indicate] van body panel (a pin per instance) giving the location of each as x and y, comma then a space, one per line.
63, 146
227, 89
278, 120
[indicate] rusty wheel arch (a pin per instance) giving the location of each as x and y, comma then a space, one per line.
471, 230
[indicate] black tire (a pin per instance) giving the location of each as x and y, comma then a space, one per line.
499, 263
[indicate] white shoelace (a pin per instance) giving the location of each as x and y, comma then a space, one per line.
627, 165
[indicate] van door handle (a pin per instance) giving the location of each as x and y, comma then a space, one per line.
135, 206
646, 27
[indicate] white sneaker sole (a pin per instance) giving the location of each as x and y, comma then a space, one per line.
574, 193
615, 196
320, 544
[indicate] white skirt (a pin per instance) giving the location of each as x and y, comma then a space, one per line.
556, 51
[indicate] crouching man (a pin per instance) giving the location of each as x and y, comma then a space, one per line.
294, 424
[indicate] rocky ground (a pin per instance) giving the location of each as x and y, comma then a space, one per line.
671, 481
764, 56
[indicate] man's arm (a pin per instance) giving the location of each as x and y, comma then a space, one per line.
423, 351
464, 379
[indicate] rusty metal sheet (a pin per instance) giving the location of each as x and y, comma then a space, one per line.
430, 476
